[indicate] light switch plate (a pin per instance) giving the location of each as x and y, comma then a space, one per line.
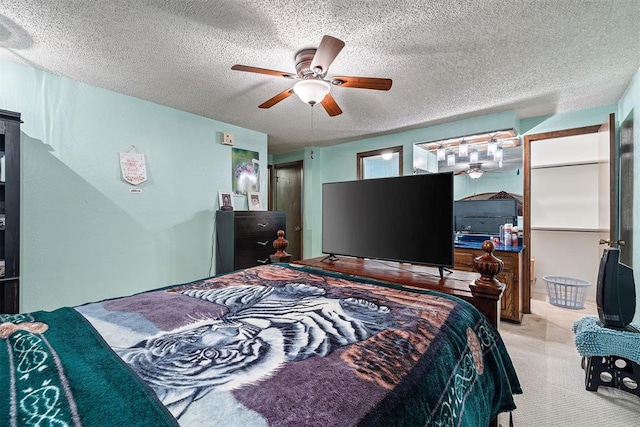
227, 138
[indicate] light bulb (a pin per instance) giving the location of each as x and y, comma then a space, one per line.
473, 156
451, 159
492, 146
463, 149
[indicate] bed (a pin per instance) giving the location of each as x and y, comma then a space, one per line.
279, 345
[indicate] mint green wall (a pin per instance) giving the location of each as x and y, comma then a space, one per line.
568, 120
84, 236
312, 210
511, 182
293, 156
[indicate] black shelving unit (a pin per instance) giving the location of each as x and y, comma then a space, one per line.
10, 211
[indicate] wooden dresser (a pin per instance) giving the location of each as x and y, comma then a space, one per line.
511, 302
245, 238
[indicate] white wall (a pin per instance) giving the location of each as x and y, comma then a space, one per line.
565, 253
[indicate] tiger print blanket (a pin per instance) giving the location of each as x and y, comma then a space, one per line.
285, 345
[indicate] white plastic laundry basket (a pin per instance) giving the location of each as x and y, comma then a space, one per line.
566, 292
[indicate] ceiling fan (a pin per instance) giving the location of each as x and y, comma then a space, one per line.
475, 171
314, 85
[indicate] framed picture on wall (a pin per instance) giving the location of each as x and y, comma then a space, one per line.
226, 200
253, 200
246, 171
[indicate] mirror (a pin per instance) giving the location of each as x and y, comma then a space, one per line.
497, 167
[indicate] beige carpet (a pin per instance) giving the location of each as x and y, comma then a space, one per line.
548, 366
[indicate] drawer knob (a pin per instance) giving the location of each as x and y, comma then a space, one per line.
263, 243
262, 261
263, 225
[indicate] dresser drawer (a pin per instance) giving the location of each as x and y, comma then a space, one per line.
260, 224
255, 243
463, 260
246, 259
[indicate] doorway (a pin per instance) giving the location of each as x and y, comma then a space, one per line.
570, 208
527, 276
287, 197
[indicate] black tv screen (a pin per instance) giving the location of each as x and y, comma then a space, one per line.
484, 216
406, 219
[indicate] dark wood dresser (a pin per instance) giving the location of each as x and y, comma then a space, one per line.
245, 238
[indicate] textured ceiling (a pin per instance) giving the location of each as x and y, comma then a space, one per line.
448, 59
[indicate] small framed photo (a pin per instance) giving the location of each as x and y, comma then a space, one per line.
226, 200
253, 200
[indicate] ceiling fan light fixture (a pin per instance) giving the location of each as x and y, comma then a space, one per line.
475, 173
311, 91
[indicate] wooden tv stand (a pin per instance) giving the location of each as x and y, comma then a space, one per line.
485, 296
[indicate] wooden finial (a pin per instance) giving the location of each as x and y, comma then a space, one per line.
280, 244
488, 266
487, 290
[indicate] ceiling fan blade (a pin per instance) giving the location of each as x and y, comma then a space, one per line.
330, 105
362, 82
249, 69
329, 48
279, 97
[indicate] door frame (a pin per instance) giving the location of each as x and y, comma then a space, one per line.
625, 165
526, 233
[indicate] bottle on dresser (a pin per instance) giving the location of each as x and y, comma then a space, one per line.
507, 239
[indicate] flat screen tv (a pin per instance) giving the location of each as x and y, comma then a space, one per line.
405, 219
484, 216
615, 291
